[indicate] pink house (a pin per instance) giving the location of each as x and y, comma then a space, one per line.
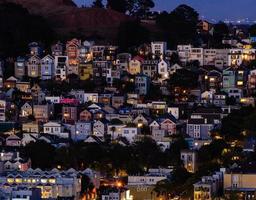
168, 123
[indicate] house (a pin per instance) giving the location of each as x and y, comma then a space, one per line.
130, 133
252, 81
82, 129
235, 93
10, 82
52, 128
150, 68
2, 110
209, 57
141, 120
91, 97
69, 114
184, 53
34, 67
118, 101
85, 70
135, 66
72, 50
28, 138
30, 127
42, 112
228, 78
208, 187
239, 181
85, 115
118, 194
202, 122
52, 99
158, 48
219, 99
100, 127
213, 79
13, 141
196, 55
189, 159
20, 67
154, 125
115, 128
85, 51
173, 69
123, 60
142, 84
100, 69
47, 67
26, 110
23, 86
168, 122
163, 69
57, 49
35, 48
60, 65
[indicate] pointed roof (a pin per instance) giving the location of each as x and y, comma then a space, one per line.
12, 78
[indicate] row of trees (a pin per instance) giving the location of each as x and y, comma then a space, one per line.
108, 158
131, 7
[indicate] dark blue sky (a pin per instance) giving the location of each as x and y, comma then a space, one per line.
217, 9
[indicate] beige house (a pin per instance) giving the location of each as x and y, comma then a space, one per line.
30, 127
41, 112
134, 67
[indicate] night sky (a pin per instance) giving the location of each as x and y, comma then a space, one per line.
210, 9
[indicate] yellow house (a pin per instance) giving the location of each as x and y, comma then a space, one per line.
85, 70
134, 66
243, 184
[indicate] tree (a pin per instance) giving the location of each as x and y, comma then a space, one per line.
19, 28
118, 5
131, 34
39, 153
180, 25
140, 8
220, 31
252, 30
97, 4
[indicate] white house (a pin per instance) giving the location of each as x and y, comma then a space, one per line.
100, 128
52, 99
163, 69
130, 133
28, 137
115, 130
158, 48
54, 128
47, 67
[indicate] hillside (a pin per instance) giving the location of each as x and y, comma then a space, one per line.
66, 18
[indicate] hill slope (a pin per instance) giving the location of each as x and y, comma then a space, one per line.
66, 18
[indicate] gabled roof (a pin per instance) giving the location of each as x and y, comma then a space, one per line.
48, 56
12, 78
93, 139
13, 137
51, 124
167, 116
